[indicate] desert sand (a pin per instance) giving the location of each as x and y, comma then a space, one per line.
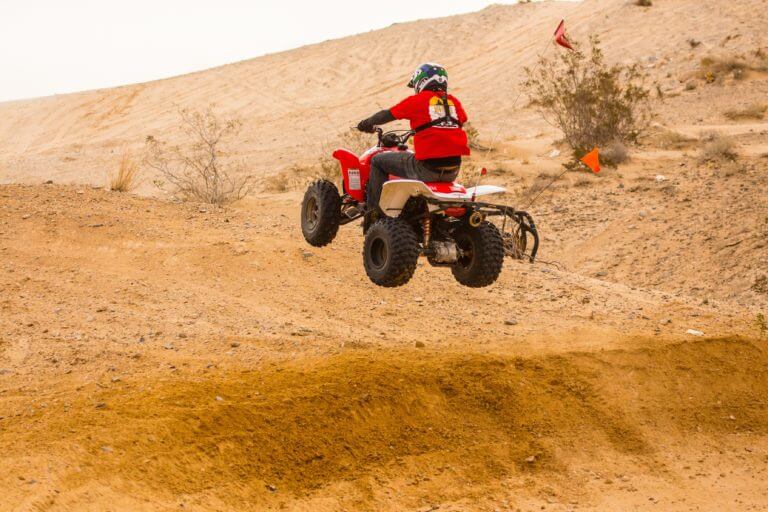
166, 355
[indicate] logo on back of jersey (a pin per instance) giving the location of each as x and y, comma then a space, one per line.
437, 111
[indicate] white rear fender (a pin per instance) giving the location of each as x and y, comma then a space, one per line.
397, 192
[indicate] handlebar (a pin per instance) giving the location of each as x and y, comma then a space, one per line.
396, 137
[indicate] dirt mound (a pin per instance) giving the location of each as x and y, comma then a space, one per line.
311, 424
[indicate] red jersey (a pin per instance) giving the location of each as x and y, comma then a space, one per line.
440, 141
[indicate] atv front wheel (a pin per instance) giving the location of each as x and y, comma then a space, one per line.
320, 213
391, 252
481, 255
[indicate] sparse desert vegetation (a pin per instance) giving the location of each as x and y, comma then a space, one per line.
664, 138
473, 137
754, 111
197, 169
125, 178
717, 147
716, 68
591, 102
297, 176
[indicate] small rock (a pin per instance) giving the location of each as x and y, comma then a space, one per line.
115, 379
418, 299
660, 178
234, 344
510, 321
666, 321
602, 273
26, 216
106, 449
531, 459
219, 399
182, 335
271, 488
168, 346
555, 153
101, 405
420, 344
694, 332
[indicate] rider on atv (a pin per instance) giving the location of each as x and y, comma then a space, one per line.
437, 118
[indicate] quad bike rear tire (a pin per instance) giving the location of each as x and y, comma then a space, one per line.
320, 213
483, 255
391, 252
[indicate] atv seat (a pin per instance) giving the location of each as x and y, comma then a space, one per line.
441, 187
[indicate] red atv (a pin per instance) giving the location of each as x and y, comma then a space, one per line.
442, 221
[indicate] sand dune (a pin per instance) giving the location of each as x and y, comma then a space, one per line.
293, 101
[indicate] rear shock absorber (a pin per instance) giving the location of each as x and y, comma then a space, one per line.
426, 225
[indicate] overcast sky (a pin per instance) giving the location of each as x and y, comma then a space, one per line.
57, 46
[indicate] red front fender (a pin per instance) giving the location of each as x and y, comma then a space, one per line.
347, 159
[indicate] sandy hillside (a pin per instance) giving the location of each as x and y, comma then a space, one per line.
293, 102
162, 355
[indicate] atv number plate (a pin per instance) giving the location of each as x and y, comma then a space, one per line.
354, 179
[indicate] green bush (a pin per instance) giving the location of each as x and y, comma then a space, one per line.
592, 103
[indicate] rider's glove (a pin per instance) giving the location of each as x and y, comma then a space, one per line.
365, 126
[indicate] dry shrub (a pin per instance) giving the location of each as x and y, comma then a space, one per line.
125, 179
761, 285
298, 176
755, 111
644, 3
583, 181
469, 174
716, 68
614, 153
717, 147
668, 139
762, 325
198, 171
594, 104
353, 140
473, 138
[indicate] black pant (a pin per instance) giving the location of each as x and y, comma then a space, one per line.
404, 165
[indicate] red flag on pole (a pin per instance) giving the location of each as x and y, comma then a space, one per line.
592, 160
561, 37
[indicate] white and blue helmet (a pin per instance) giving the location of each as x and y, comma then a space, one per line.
429, 76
